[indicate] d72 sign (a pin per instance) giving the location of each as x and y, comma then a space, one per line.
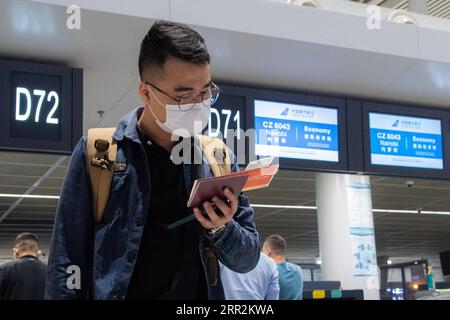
37, 102
35, 106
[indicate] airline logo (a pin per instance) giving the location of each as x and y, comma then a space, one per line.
410, 124
294, 112
285, 112
405, 124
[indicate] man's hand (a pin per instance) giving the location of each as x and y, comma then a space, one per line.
215, 220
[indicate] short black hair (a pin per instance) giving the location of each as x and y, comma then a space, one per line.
27, 242
170, 39
276, 243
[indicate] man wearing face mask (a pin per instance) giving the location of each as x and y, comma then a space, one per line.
131, 253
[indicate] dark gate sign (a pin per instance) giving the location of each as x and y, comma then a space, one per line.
41, 107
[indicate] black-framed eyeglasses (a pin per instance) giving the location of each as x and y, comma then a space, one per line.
185, 102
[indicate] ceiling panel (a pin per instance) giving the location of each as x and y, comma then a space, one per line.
436, 8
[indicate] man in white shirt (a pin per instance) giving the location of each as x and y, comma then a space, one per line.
259, 284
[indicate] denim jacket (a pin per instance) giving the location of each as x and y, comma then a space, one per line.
96, 260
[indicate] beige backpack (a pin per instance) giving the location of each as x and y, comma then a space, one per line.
101, 151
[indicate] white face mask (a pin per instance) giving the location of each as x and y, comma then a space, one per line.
184, 123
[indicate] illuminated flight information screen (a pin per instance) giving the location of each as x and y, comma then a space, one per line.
296, 131
405, 141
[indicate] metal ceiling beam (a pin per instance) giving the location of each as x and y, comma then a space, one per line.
33, 187
392, 3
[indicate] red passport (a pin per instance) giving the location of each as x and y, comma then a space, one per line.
205, 189
257, 175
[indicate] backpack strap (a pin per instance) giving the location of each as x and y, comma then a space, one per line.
219, 160
217, 154
101, 151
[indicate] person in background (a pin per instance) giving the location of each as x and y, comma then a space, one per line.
23, 278
289, 275
259, 284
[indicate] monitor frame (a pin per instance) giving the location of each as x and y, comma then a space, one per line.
311, 101
408, 111
71, 114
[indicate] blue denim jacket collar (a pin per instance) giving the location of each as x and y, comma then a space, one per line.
127, 126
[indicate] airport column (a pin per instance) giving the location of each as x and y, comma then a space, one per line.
346, 232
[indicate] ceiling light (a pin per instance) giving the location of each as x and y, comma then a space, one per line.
276, 206
394, 211
318, 260
305, 3
273, 206
389, 261
402, 16
417, 211
409, 183
27, 196
436, 212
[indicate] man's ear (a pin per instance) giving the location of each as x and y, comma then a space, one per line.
144, 93
266, 250
16, 254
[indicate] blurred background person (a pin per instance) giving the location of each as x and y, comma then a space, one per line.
24, 277
290, 276
259, 284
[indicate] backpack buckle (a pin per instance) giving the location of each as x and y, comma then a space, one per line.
103, 163
101, 145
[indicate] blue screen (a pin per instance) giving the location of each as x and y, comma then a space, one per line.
405, 141
296, 131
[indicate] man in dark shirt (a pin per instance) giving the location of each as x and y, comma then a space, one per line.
171, 252
23, 278
131, 253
